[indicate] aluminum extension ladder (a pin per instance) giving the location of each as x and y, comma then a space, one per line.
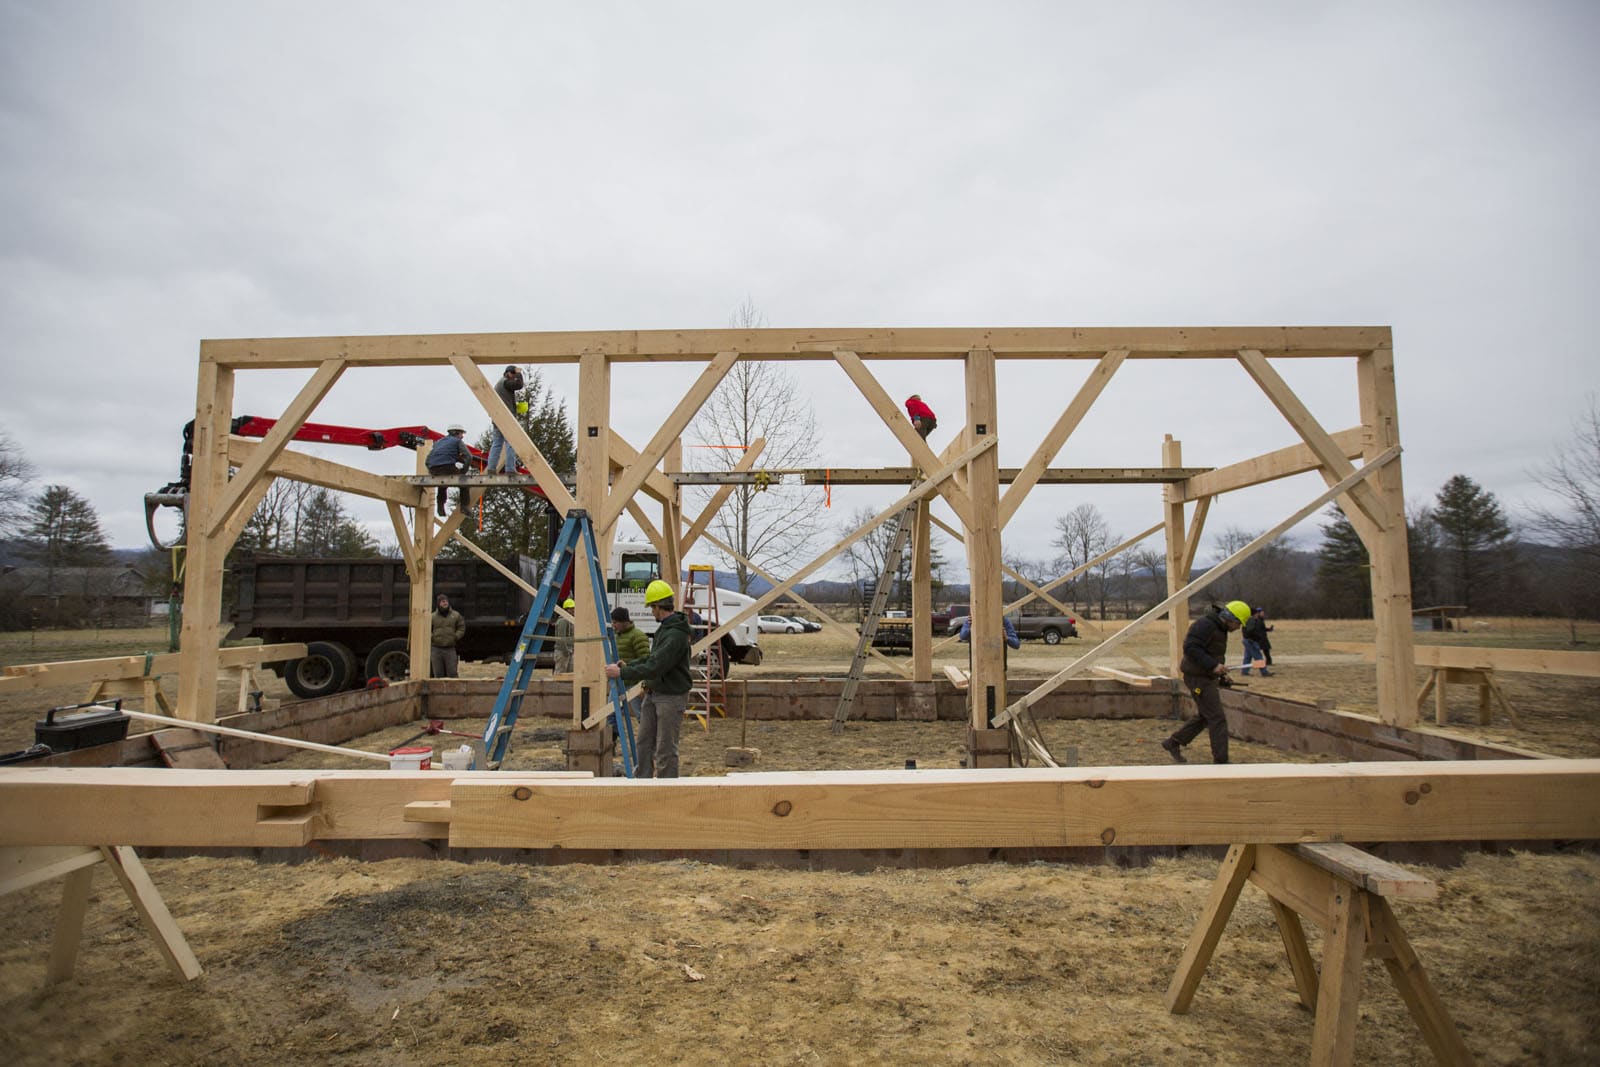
709, 692
869, 625
538, 631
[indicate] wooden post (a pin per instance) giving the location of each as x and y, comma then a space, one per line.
1391, 566
419, 629
594, 434
1172, 511
921, 596
672, 519
200, 636
987, 688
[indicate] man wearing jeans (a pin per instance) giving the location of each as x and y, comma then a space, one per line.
666, 668
510, 383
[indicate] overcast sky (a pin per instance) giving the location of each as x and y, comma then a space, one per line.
177, 171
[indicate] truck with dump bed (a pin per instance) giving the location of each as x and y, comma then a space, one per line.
353, 614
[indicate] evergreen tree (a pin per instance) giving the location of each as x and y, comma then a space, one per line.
326, 529
62, 530
1476, 550
516, 521
1344, 581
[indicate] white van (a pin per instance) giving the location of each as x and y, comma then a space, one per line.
635, 564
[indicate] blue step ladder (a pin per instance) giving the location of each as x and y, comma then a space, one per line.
539, 630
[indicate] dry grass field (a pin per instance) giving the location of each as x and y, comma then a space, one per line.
410, 961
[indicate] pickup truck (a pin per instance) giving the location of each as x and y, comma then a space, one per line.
943, 617
1048, 628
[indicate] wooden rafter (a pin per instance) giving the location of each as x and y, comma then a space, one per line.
277, 438
1064, 427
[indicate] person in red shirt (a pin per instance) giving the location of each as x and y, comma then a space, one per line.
922, 419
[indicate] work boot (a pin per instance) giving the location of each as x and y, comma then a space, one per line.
1264, 673
1174, 750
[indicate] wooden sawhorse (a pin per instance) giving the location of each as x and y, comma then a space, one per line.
21, 867
1482, 677
1343, 890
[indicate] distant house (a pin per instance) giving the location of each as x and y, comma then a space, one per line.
113, 595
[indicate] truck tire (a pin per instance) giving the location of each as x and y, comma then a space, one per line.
1051, 635
390, 660
325, 669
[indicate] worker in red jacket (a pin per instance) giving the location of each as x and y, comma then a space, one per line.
922, 419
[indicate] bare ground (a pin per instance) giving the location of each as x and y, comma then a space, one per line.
439, 962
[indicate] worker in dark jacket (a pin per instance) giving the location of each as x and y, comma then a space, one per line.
449, 455
448, 630
666, 669
507, 388
1257, 646
1205, 668
921, 416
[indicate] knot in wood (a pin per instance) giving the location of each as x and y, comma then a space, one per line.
522, 792
782, 808
1412, 796
1108, 835
1425, 788
1095, 783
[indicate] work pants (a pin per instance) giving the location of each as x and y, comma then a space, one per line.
1207, 695
498, 445
445, 469
442, 662
1253, 656
660, 723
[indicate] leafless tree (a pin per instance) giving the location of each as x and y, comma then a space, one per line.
1152, 562
1081, 535
15, 475
1572, 475
772, 526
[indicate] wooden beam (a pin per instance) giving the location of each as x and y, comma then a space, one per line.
1191, 540
1333, 463
1369, 872
629, 481
277, 438
1100, 650
916, 493
402, 534
900, 426
828, 624
1177, 576
205, 556
647, 527
554, 489
511, 576
658, 346
1270, 466
720, 497
907, 475
622, 455
324, 472
1064, 426
1465, 657
447, 528
1263, 803
24, 676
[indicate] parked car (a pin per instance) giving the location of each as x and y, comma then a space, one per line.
1048, 628
806, 625
947, 620
778, 624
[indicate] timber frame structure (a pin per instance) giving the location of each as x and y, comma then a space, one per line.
612, 473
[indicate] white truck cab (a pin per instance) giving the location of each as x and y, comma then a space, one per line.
635, 564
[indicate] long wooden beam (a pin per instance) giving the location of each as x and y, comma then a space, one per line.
1083, 662
282, 432
23, 676
555, 490
657, 346
1043, 807
1268, 467
907, 475
326, 473
1467, 657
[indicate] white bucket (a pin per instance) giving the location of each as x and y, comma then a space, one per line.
410, 759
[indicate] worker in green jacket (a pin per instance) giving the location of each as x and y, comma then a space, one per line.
632, 643
666, 669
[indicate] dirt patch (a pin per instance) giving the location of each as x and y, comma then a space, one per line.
440, 962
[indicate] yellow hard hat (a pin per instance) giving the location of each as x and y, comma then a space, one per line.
568, 604
657, 590
1240, 610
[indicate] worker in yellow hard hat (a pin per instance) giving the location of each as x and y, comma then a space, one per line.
1205, 672
563, 633
666, 668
